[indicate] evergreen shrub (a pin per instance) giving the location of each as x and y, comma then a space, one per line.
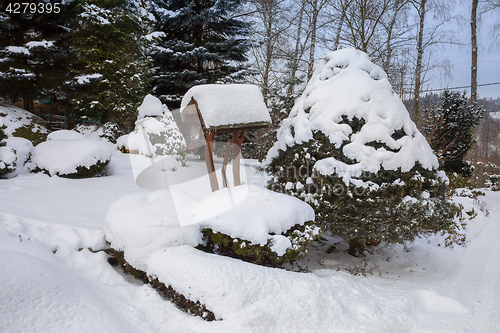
350, 149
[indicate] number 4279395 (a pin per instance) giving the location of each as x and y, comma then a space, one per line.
33, 8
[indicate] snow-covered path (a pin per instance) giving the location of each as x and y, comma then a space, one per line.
487, 309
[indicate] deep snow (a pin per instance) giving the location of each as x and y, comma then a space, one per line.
52, 282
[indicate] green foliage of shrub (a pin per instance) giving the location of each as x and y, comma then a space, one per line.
391, 207
494, 182
300, 237
27, 132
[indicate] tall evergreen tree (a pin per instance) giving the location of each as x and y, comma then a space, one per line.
34, 50
112, 73
202, 44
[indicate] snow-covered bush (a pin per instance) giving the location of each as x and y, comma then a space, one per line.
69, 154
256, 225
23, 124
350, 149
493, 182
7, 156
155, 133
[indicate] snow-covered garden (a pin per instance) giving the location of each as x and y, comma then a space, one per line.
96, 237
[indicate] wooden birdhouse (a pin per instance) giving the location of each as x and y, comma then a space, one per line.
222, 108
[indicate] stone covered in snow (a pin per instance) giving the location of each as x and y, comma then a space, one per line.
231, 105
348, 84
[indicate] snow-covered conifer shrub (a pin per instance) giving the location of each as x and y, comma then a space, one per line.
155, 133
69, 154
493, 182
350, 149
449, 128
7, 156
256, 225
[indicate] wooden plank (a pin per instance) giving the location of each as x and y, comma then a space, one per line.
224, 163
209, 160
237, 141
220, 129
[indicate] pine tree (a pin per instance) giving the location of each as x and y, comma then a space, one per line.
112, 72
449, 128
202, 44
34, 50
350, 149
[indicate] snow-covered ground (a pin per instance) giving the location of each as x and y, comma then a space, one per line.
53, 279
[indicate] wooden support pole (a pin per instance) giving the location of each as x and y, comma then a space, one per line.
209, 160
224, 163
237, 141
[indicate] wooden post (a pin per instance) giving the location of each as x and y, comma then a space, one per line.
209, 160
237, 141
224, 163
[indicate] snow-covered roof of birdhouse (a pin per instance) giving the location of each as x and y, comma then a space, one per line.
228, 106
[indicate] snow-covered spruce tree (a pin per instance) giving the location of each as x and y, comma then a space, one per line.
112, 72
202, 45
156, 123
350, 149
449, 129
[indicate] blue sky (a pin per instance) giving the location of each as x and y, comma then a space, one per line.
460, 58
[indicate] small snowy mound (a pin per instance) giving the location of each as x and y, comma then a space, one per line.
254, 214
347, 87
155, 133
69, 154
143, 223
